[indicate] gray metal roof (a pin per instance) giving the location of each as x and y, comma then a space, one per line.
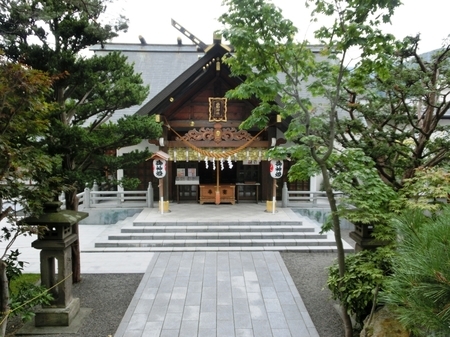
158, 65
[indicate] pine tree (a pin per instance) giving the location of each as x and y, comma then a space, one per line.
50, 36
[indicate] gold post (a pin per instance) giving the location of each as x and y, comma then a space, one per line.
217, 184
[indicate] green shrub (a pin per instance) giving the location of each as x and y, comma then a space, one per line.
24, 291
365, 272
26, 297
15, 284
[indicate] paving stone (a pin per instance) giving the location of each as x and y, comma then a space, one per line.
169, 333
188, 328
153, 329
208, 305
242, 321
262, 329
144, 306
217, 294
207, 320
176, 305
191, 313
206, 332
224, 312
225, 328
277, 320
244, 333
172, 321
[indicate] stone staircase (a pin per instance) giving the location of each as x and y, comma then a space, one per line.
153, 236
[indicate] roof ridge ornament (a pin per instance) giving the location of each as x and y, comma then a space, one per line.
190, 36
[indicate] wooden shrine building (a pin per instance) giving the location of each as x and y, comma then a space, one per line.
206, 149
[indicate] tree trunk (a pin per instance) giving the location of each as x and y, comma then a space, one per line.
4, 298
348, 328
72, 204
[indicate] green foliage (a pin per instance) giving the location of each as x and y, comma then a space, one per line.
24, 122
394, 98
364, 273
280, 71
86, 91
264, 47
14, 285
366, 198
418, 290
355, 24
14, 267
428, 190
66, 26
24, 293
395, 112
27, 296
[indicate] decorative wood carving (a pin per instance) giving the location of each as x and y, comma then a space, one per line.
217, 134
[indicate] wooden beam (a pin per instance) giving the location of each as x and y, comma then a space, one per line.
203, 143
201, 124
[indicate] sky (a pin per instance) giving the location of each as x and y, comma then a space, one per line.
152, 20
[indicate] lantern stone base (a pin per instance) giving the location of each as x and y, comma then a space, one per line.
270, 208
57, 316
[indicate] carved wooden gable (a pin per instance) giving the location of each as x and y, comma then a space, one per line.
217, 134
208, 106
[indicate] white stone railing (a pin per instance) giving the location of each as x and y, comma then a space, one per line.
315, 197
93, 198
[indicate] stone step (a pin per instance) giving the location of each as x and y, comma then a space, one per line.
215, 243
215, 223
216, 235
172, 234
297, 249
217, 228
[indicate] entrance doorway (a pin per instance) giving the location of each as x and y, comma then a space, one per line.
209, 176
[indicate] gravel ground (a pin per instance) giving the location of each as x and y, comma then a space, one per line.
310, 276
110, 294
309, 272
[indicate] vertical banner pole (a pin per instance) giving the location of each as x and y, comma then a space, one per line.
274, 195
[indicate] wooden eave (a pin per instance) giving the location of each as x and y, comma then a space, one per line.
190, 82
182, 84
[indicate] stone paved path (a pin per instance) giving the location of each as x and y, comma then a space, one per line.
217, 294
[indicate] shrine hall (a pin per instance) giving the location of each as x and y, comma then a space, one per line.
209, 158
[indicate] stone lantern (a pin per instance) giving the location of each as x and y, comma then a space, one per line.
56, 263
